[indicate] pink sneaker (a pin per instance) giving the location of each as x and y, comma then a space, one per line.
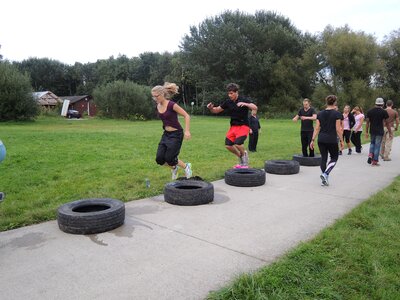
239, 166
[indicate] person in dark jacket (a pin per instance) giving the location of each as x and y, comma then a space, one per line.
255, 129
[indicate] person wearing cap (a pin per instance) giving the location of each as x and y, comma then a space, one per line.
375, 118
386, 146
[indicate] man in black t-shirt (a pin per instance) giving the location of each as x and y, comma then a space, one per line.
307, 115
376, 117
238, 108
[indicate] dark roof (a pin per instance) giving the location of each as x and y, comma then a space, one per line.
73, 99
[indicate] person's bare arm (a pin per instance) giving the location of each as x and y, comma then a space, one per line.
214, 109
367, 128
251, 106
184, 114
315, 133
339, 132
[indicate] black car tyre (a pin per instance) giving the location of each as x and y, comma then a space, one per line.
282, 167
189, 192
89, 216
245, 177
308, 161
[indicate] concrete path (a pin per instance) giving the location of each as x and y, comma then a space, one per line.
171, 252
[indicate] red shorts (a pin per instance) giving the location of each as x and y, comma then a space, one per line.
237, 134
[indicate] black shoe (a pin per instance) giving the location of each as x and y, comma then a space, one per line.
340, 152
369, 160
349, 153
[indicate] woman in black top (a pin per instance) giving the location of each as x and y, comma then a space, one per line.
328, 128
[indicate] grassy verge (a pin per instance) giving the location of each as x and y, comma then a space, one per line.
356, 258
53, 160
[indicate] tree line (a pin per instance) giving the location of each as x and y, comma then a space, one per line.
274, 63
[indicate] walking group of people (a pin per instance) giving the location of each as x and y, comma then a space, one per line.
333, 127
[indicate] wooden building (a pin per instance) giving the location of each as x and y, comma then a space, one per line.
84, 104
47, 99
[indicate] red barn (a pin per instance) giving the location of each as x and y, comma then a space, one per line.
84, 104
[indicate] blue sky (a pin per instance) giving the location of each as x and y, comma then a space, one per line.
84, 31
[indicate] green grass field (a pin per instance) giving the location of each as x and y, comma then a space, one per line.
53, 160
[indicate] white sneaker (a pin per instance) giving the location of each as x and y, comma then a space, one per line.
324, 179
174, 172
245, 159
188, 170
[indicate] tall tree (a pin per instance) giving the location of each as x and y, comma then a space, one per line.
390, 58
46, 74
348, 62
247, 49
16, 100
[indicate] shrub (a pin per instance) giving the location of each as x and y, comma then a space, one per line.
16, 100
124, 100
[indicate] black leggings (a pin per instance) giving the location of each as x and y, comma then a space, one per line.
169, 147
306, 137
333, 150
356, 140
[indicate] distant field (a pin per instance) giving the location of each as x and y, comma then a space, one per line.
53, 160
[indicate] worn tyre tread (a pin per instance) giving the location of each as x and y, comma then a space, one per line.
282, 167
202, 194
308, 161
245, 177
74, 222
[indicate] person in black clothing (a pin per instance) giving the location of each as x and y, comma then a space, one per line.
375, 118
238, 108
255, 128
307, 115
328, 128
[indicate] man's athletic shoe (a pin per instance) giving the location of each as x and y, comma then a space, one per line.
174, 172
369, 160
188, 170
245, 159
2, 196
375, 163
238, 166
324, 179
349, 153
